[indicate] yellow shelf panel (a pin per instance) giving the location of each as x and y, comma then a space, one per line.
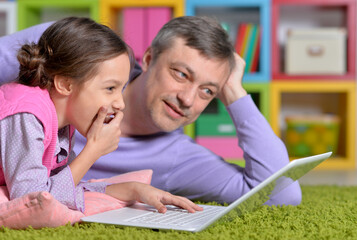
348, 88
109, 8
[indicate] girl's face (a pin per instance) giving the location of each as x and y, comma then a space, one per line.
104, 89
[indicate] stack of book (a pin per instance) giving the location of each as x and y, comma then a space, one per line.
247, 45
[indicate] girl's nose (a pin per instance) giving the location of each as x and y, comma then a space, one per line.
118, 104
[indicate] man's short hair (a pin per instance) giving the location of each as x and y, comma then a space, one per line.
204, 34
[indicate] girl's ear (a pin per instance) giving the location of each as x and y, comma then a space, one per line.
147, 59
63, 85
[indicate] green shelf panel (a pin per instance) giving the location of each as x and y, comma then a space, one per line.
215, 120
30, 12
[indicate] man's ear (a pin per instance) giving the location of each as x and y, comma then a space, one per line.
63, 85
147, 59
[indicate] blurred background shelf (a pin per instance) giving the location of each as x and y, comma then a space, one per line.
32, 12
8, 15
312, 14
138, 21
313, 98
231, 13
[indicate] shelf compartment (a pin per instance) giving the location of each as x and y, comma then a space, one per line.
138, 21
7, 18
33, 12
311, 98
329, 13
234, 12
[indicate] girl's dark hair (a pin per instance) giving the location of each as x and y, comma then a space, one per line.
202, 33
72, 47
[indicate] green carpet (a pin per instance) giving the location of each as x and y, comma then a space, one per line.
326, 212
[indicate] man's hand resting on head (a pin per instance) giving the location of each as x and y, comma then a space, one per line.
233, 89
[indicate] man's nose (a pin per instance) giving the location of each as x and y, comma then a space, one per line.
187, 96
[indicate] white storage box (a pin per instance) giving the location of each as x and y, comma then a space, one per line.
316, 51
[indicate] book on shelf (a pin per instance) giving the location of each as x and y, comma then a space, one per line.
247, 45
254, 66
251, 48
240, 38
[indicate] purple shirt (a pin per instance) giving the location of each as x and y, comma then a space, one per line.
180, 165
21, 160
185, 168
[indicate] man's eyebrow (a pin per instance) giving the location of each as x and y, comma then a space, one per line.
192, 73
184, 65
212, 84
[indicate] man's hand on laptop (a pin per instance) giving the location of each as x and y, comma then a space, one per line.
134, 191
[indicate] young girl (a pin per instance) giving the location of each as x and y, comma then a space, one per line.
72, 79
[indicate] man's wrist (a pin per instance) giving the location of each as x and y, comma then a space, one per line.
231, 96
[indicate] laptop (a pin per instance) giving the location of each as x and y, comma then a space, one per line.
145, 216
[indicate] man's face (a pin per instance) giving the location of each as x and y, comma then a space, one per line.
179, 85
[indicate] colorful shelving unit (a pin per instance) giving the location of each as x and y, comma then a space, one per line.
32, 12
8, 19
138, 21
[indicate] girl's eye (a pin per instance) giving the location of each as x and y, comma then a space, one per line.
110, 88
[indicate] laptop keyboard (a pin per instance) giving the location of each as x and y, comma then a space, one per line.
176, 216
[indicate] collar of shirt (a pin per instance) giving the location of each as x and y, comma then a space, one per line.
62, 144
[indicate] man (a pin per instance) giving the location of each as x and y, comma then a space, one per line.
190, 62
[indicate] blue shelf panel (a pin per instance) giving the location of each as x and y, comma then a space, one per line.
263, 7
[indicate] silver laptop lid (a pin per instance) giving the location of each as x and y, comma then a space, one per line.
274, 184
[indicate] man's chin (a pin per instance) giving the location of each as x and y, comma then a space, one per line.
167, 127
164, 123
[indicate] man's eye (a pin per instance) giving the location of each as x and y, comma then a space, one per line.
208, 91
181, 74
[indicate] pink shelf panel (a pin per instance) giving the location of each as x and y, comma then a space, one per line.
350, 6
226, 147
134, 30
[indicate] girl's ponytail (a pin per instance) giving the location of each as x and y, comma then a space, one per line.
32, 67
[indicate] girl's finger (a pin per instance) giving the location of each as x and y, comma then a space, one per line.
181, 202
159, 206
189, 202
102, 113
117, 118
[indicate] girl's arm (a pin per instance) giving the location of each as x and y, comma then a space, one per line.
21, 161
21, 151
101, 139
134, 191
